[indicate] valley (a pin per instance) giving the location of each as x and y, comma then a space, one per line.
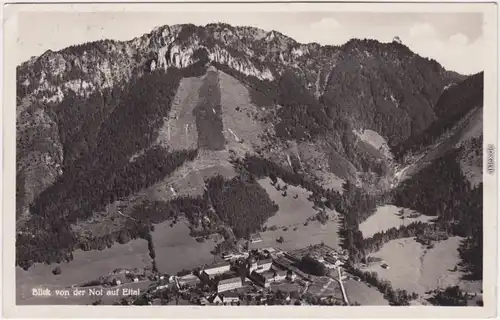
212, 151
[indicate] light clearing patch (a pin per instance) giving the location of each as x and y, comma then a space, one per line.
415, 268
189, 179
388, 216
179, 128
241, 129
360, 292
303, 236
315, 161
291, 211
176, 249
375, 140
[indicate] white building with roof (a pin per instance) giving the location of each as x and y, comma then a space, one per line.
229, 284
264, 265
218, 268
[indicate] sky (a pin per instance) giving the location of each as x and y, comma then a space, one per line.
454, 39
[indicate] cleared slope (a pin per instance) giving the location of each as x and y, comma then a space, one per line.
178, 131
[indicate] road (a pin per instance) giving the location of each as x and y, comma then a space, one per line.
344, 294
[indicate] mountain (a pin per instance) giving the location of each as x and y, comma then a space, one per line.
110, 133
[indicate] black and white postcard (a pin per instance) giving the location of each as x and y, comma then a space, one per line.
250, 160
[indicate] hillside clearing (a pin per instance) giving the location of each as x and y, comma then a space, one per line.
387, 217
294, 220
208, 114
416, 269
176, 249
331, 169
179, 129
291, 211
376, 141
241, 129
189, 179
304, 236
361, 293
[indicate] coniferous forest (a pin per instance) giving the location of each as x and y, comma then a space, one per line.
326, 97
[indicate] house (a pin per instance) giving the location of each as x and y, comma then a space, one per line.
218, 268
136, 279
162, 286
189, 280
264, 265
263, 279
255, 238
279, 275
235, 256
252, 264
231, 297
290, 275
229, 284
204, 277
215, 299
116, 282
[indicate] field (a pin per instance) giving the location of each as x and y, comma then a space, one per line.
387, 217
291, 211
208, 114
86, 266
179, 130
325, 287
313, 233
361, 293
241, 129
290, 218
415, 268
176, 250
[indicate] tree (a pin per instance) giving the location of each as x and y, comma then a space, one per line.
57, 271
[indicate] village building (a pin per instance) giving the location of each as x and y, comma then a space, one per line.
235, 256
251, 264
218, 268
255, 238
263, 279
230, 297
279, 275
290, 275
162, 286
264, 265
215, 299
189, 280
229, 284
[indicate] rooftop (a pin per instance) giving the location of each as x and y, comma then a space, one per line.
268, 275
231, 294
265, 261
281, 272
218, 265
230, 280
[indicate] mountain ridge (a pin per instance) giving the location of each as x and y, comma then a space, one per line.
84, 112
